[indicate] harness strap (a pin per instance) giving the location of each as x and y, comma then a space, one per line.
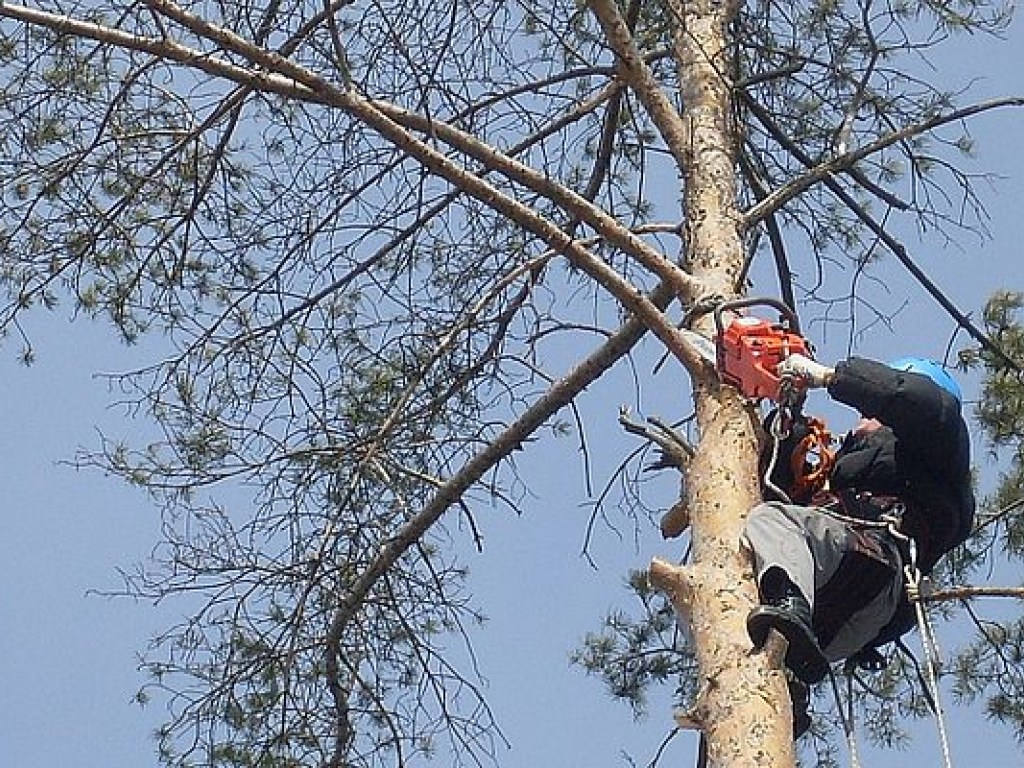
845, 505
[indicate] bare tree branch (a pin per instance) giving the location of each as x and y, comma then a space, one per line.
642, 81
823, 172
968, 593
558, 396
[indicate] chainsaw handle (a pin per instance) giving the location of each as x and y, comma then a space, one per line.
787, 312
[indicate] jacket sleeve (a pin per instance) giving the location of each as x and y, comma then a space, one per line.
917, 410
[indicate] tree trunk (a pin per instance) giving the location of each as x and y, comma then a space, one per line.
743, 707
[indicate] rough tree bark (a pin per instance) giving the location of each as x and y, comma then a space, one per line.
743, 708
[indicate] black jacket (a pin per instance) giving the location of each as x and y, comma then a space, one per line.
921, 454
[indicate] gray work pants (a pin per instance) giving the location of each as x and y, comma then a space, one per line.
849, 573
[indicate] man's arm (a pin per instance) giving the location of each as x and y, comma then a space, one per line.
919, 411
915, 407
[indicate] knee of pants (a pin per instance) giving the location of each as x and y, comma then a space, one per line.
769, 518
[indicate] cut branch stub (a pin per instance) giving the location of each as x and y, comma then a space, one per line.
675, 581
675, 522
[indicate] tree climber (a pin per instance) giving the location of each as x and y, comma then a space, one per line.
829, 562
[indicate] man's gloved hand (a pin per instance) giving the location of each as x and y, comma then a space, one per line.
803, 368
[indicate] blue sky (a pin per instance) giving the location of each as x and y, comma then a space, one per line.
68, 657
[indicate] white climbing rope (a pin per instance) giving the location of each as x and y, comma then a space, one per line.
930, 646
847, 717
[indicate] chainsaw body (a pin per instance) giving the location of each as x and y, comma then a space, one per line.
750, 349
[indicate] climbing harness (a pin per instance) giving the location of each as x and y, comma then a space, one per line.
812, 459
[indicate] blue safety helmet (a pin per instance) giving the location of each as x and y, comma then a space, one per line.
932, 370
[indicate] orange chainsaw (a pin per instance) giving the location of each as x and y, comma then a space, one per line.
747, 352
748, 349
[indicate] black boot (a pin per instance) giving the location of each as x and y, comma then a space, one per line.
787, 611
